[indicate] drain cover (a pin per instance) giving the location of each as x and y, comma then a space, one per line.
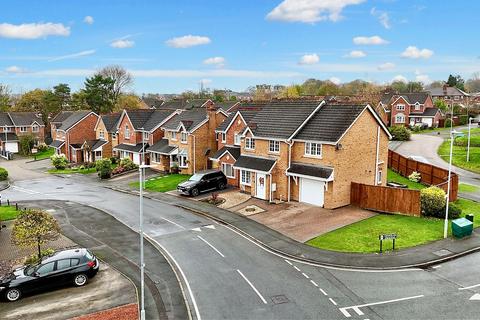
279, 299
442, 252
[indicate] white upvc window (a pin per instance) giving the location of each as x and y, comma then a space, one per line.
146, 136
35, 128
417, 106
313, 149
23, 129
236, 139
399, 118
174, 135
245, 177
274, 146
127, 132
224, 137
101, 135
156, 157
182, 161
379, 176
249, 143
227, 169
183, 137
400, 107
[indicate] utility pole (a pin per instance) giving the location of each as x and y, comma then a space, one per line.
445, 226
468, 143
142, 263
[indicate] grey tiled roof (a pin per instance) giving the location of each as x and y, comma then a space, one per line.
310, 170
183, 104
95, 144
57, 143
111, 121
156, 117
225, 105
11, 136
234, 151
72, 119
5, 120
127, 147
410, 97
152, 102
161, 147
247, 112
254, 163
329, 123
450, 91
189, 118
62, 116
139, 117
430, 112
281, 119
25, 118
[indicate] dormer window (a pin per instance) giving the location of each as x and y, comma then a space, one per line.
417, 106
127, 132
23, 129
174, 135
236, 139
101, 135
184, 137
35, 128
249, 144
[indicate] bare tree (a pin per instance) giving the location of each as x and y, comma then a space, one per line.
122, 78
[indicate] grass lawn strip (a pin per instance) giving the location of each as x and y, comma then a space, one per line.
459, 156
73, 170
392, 176
46, 154
163, 183
468, 188
8, 213
362, 237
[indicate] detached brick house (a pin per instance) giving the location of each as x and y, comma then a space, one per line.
451, 95
139, 129
105, 138
308, 151
70, 130
409, 109
15, 124
189, 139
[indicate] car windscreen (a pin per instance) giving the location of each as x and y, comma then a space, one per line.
196, 177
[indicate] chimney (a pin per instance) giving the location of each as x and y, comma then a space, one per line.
445, 89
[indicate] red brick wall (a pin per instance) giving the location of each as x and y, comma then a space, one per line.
135, 137
394, 111
227, 158
156, 136
83, 130
237, 125
40, 135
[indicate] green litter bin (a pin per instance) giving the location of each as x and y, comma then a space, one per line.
469, 217
462, 227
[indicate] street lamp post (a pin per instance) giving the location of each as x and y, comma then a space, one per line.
468, 143
141, 170
445, 227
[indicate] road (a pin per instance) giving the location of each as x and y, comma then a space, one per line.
226, 276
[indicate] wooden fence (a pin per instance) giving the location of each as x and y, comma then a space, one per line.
386, 199
430, 174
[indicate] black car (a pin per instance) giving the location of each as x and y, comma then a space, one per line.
66, 267
203, 181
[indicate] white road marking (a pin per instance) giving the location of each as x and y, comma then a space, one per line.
197, 229
25, 190
314, 283
211, 246
174, 223
476, 296
345, 313
210, 226
289, 262
323, 291
358, 311
437, 267
470, 287
296, 268
332, 301
355, 308
253, 287
306, 276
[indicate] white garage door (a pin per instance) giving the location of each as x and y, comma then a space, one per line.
312, 191
136, 158
12, 147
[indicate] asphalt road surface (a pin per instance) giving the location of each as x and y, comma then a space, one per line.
226, 276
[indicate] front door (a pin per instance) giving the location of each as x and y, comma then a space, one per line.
260, 189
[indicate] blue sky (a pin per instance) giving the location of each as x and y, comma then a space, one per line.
171, 46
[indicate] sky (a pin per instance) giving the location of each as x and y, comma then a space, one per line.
173, 46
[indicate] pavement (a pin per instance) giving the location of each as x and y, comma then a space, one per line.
108, 289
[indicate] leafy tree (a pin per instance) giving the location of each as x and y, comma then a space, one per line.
26, 142
456, 81
79, 101
100, 93
121, 79
33, 228
414, 86
5, 94
398, 86
35, 101
328, 88
473, 84
290, 92
436, 84
219, 95
440, 104
62, 95
128, 101
311, 86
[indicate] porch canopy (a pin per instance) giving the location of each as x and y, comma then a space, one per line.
137, 148
162, 147
94, 145
255, 164
233, 151
309, 171
11, 136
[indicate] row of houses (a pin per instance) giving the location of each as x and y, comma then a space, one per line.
308, 151
15, 124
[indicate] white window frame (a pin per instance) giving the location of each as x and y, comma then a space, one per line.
379, 176
237, 139
402, 116
184, 137
249, 143
156, 157
224, 137
127, 132
146, 136
317, 149
417, 106
182, 161
274, 146
114, 136
100, 156
224, 170
23, 129
174, 135
245, 178
400, 107
35, 128
101, 135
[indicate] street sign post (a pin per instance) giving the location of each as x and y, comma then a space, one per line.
388, 236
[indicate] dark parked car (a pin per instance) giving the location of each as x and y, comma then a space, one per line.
62, 268
203, 181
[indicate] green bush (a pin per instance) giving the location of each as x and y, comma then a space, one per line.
448, 123
454, 211
113, 160
432, 201
463, 119
26, 143
59, 161
104, 168
42, 147
3, 174
400, 133
127, 164
34, 257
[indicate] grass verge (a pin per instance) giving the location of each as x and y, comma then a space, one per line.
8, 213
468, 188
46, 154
72, 170
162, 183
459, 156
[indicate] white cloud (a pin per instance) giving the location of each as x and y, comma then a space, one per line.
382, 16
413, 52
373, 40
205, 82
216, 61
386, 66
187, 41
399, 78
15, 69
309, 59
356, 54
310, 11
29, 31
424, 78
88, 20
73, 55
122, 44
335, 80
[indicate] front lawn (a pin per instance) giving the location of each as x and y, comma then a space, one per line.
362, 236
8, 213
392, 176
162, 183
72, 170
45, 154
459, 157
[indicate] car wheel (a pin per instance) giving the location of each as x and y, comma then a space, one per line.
221, 186
80, 279
194, 192
13, 294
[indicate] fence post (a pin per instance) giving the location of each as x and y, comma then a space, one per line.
16, 206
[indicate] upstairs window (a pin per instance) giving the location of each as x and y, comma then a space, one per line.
23, 129
146, 136
274, 146
417, 106
313, 149
224, 137
400, 107
184, 137
174, 135
250, 143
236, 139
35, 128
400, 118
101, 135
127, 132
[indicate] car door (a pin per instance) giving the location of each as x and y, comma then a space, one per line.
210, 181
203, 183
42, 276
63, 274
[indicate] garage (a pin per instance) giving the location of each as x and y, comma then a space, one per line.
312, 191
11, 146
